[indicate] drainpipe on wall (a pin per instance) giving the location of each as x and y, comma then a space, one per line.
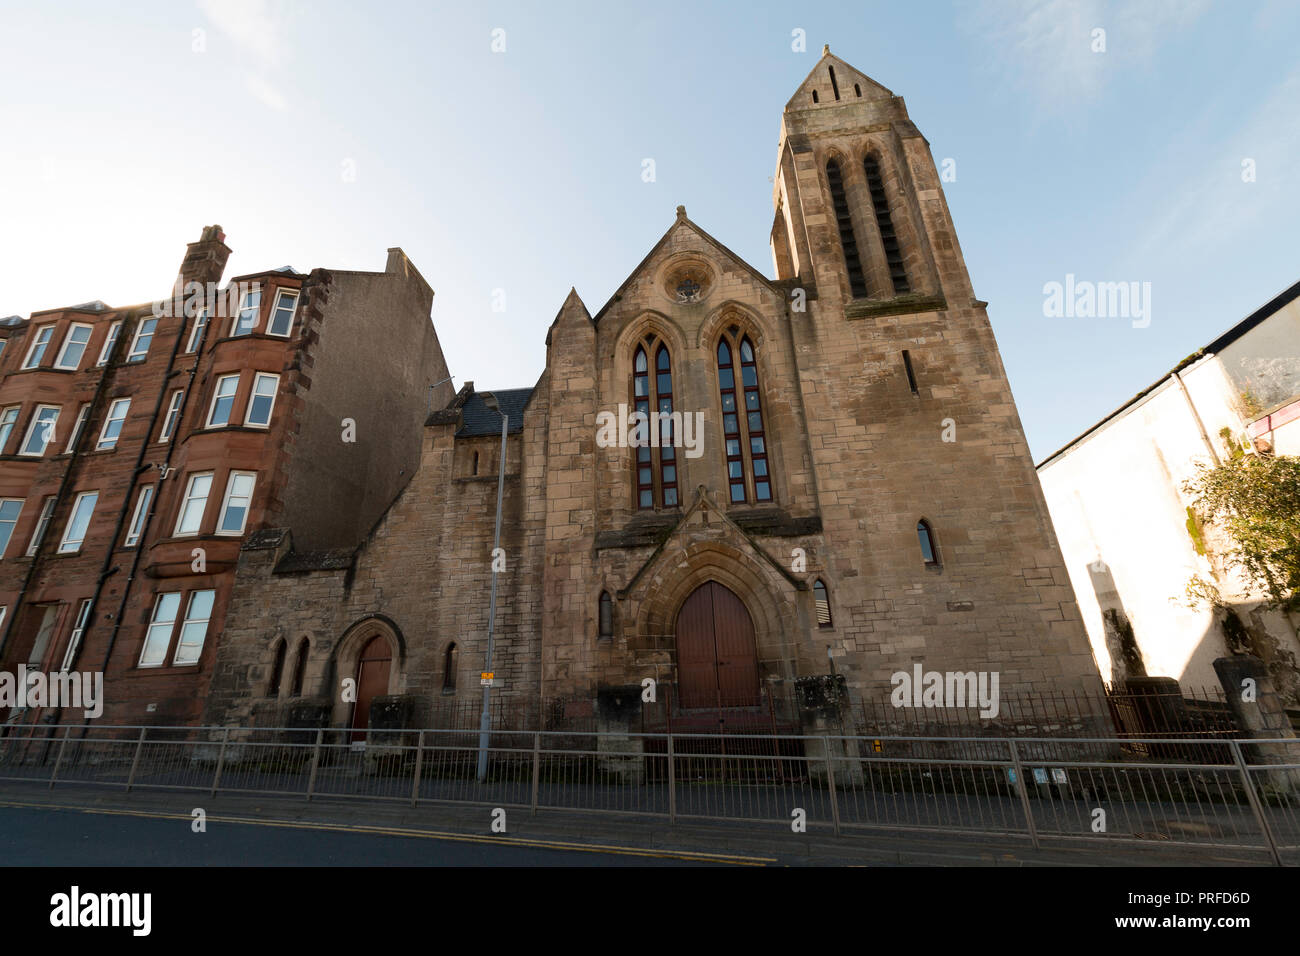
171, 447
1205, 436
96, 404
108, 569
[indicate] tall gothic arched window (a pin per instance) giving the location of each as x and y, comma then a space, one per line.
656, 451
744, 437
885, 223
667, 438
844, 220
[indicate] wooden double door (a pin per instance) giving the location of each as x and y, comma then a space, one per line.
372, 681
717, 658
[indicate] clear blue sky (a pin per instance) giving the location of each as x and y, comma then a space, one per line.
521, 170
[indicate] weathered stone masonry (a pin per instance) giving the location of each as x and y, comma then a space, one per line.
854, 455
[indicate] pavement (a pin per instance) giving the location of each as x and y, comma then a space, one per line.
75, 825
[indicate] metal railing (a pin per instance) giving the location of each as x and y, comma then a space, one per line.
1076, 791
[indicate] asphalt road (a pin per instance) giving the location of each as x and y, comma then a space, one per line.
32, 836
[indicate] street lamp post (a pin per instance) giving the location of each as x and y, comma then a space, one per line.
485, 720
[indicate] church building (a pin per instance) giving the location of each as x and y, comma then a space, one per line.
836, 486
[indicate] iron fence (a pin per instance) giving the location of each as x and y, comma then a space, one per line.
1080, 791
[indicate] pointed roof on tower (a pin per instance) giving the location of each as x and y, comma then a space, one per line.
832, 82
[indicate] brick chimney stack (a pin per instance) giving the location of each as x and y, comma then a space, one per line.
205, 260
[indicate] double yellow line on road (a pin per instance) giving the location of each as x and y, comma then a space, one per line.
503, 840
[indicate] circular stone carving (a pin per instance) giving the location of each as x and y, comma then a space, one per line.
687, 281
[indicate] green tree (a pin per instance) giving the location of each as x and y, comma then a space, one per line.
1255, 501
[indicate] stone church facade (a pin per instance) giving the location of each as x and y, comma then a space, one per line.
859, 497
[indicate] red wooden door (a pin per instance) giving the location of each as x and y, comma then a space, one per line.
697, 657
717, 661
372, 682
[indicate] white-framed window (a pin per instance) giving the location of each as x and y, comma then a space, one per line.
173, 413
74, 640
40, 342
195, 628
194, 503
143, 336
74, 346
196, 333
109, 341
136, 527
262, 400
41, 431
223, 401
159, 635
43, 522
108, 435
10, 509
234, 510
75, 533
246, 317
8, 418
281, 321
82, 414
3, 343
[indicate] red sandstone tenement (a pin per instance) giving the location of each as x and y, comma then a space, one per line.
140, 447
864, 488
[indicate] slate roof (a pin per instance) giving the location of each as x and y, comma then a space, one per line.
337, 559
478, 419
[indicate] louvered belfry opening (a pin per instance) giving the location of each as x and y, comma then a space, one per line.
852, 263
888, 239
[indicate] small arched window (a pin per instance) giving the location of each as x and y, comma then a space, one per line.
823, 601
475, 471
449, 663
744, 437
277, 670
844, 220
929, 550
300, 668
606, 616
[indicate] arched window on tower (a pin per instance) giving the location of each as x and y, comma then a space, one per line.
744, 436
449, 662
300, 668
277, 670
929, 550
651, 396
844, 220
885, 223
606, 616
823, 600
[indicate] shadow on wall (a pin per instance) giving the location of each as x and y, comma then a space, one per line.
1125, 655
1242, 629
1245, 631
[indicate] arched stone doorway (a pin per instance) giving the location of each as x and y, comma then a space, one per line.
717, 656
374, 667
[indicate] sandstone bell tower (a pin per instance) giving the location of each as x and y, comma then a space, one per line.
936, 527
